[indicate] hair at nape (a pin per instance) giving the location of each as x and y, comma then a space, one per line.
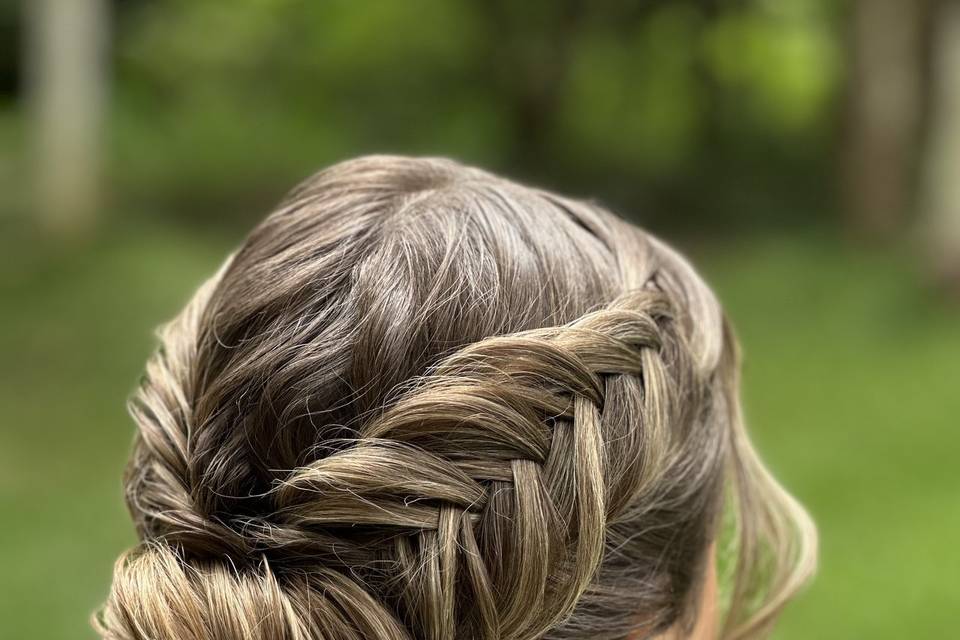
422, 401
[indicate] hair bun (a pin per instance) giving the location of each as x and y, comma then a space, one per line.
156, 594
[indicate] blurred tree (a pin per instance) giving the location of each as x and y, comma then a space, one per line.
691, 111
941, 196
66, 75
882, 113
10, 45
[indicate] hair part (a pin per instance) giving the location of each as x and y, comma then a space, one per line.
422, 401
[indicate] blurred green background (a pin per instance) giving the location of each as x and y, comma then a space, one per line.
805, 153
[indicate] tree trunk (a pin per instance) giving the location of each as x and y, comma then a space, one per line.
883, 112
941, 196
66, 73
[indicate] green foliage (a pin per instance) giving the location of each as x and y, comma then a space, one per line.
228, 104
286, 86
783, 59
636, 100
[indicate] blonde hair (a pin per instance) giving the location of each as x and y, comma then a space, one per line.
422, 401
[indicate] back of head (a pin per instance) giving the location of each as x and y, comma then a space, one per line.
422, 401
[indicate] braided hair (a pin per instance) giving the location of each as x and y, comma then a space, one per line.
424, 402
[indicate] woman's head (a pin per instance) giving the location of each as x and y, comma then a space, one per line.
422, 401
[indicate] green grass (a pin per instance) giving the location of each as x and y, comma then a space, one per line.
852, 387
851, 383
75, 331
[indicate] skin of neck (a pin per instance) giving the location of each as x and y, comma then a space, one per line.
708, 618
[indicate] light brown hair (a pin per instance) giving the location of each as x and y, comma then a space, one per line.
422, 401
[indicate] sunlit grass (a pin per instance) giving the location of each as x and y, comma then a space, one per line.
851, 379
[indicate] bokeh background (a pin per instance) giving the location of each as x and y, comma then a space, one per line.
805, 153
